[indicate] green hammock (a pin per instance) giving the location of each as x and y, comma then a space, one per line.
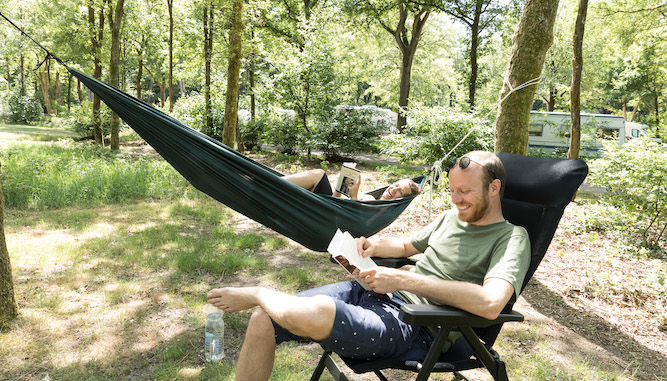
245, 185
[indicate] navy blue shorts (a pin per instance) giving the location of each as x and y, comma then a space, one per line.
366, 325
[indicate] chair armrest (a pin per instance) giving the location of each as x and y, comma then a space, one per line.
393, 262
432, 315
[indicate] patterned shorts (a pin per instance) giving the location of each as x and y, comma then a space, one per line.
366, 325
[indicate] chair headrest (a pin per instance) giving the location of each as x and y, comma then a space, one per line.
539, 180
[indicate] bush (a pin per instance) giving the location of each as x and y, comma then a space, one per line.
347, 130
191, 110
433, 132
24, 109
82, 120
635, 179
280, 129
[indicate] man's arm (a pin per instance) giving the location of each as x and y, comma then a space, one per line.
487, 300
386, 248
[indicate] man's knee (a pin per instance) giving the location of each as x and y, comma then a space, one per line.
321, 314
260, 323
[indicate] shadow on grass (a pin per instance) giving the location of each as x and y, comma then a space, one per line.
127, 301
643, 362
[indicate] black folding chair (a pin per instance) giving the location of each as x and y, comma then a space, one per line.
537, 191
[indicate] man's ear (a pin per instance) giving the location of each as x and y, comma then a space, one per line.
494, 187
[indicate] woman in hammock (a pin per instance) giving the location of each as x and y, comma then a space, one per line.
316, 181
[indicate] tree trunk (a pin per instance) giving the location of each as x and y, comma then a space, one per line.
251, 78
170, 6
233, 70
96, 36
531, 41
140, 71
208, 56
79, 93
115, 22
21, 75
408, 46
474, 44
44, 83
57, 93
9, 310
575, 90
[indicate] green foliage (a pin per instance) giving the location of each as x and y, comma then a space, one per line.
54, 176
635, 179
24, 109
348, 130
80, 120
191, 110
433, 132
280, 129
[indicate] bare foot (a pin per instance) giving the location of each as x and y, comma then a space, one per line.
233, 299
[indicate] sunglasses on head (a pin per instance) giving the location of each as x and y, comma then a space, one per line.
463, 163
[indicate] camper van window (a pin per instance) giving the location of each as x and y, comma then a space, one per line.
535, 129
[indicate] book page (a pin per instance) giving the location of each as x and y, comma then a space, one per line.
343, 248
348, 175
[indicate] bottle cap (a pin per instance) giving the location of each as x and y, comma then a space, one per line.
209, 309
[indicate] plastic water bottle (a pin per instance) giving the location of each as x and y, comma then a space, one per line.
214, 335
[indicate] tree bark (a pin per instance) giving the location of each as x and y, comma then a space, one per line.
21, 75
96, 36
9, 310
44, 84
407, 44
575, 90
233, 69
208, 56
531, 41
115, 21
140, 71
170, 6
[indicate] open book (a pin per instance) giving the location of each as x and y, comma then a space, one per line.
348, 175
343, 249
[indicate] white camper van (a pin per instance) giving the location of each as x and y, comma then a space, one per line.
636, 133
550, 131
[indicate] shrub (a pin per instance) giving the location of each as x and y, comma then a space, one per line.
433, 132
635, 179
81, 121
191, 110
281, 130
24, 109
346, 130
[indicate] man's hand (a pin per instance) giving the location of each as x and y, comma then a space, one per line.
382, 280
365, 248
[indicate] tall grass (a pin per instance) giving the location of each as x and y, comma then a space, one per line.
50, 176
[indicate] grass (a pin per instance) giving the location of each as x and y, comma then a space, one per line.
114, 288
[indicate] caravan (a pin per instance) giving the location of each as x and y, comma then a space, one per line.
550, 131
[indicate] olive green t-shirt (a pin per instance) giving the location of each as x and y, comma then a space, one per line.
456, 250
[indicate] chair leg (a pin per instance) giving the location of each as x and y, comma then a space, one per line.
433, 354
459, 376
327, 361
494, 365
380, 376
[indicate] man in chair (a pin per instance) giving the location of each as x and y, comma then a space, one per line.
473, 260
